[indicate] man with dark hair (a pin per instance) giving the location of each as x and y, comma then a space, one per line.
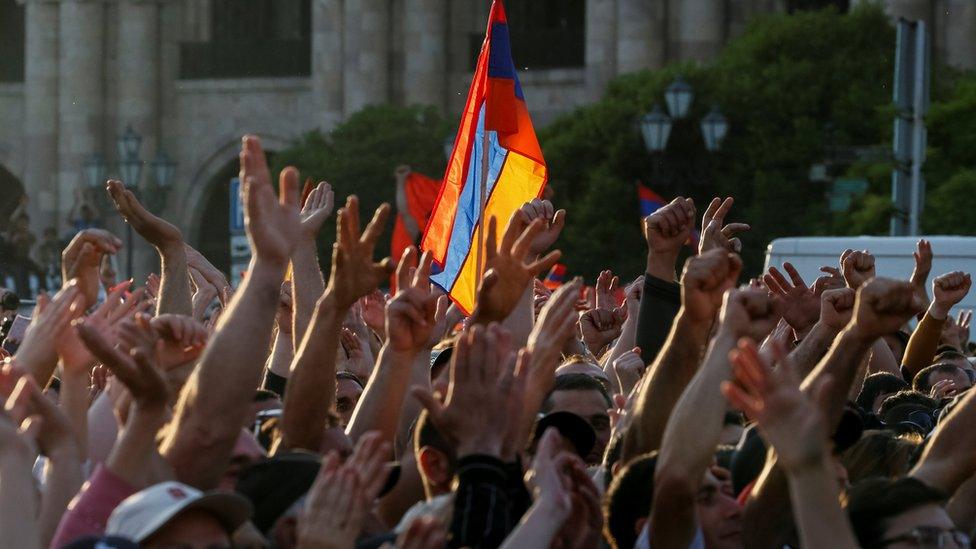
942, 380
904, 512
628, 501
348, 390
437, 463
877, 387
586, 397
906, 397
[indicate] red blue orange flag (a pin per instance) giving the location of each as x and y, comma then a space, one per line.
649, 200
495, 132
556, 276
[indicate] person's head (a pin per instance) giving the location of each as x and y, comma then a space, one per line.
926, 378
718, 512
908, 396
954, 357
897, 513
880, 454
877, 387
172, 514
348, 390
586, 397
264, 402
579, 364
247, 451
277, 488
435, 457
627, 504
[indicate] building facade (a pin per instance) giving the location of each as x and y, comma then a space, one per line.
191, 76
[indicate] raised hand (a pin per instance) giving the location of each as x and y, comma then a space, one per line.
317, 208
508, 269
157, 231
948, 290
666, 231
715, 233
335, 508
858, 267
410, 315
482, 373
373, 307
203, 293
705, 280
354, 273
196, 261
423, 532
794, 423
135, 369
82, 258
51, 319
599, 327
748, 313
837, 308
606, 285
956, 332
882, 306
181, 339
51, 429
798, 304
555, 324
273, 226
552, 223
106, 318
283, 316
629, 369
923, 266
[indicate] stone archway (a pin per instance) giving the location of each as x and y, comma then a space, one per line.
204, 211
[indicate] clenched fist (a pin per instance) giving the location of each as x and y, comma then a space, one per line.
748, 313
949, 289
882, 306
666, 231
705, 280
858, 267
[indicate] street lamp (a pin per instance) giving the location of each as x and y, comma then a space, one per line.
163, 168
128, 144
678, 97
714, 127
95, 171
655, 128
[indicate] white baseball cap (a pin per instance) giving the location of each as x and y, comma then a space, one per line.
144, 513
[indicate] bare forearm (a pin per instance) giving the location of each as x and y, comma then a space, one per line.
816, 505
64, 479
812, 349
131, 458
924, 342
950, 457
74, 403
312, 387
380, 404
279, 363
841, 362
18, 504
666, 380
767, 519
307, 287
519, 322
626, 341
174, 286
236, 352
537, 528
419, 376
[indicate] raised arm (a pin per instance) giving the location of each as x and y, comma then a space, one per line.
950, 457
174, 291
195, 445
312, 387
948, 289
695, 426
706, 278
307, 283
796, 426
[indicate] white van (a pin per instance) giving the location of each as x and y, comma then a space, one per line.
893, 255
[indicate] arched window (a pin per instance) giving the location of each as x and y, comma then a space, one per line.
252, 38
11, 41
545, 34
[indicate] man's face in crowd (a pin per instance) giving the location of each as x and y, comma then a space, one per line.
347, 396
590, 406
926, 516
246, 452
261, 406
718, 513
191, 529
957, 377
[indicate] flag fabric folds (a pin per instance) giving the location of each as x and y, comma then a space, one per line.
495, 128
649, 200
556, 276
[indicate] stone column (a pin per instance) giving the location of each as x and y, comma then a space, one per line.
701, 28
327, 61
138, 73
366, 44
641, 35
81, 105
425, 52
41, 115
601, 46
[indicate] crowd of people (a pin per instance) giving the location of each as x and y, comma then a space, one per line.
686, 408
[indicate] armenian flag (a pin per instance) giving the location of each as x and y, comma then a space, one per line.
496, 166
556, 276
649, 200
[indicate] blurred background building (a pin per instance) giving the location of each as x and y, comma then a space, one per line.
189, 77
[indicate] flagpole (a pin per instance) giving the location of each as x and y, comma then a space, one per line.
483, 199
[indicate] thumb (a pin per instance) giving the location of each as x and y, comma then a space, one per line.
428, 401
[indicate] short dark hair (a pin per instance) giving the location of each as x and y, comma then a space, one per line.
576, 382
872, 502
351, 377
426, 434
264, 395
921, 380
908, 396
629, 499
879, 383
949, 354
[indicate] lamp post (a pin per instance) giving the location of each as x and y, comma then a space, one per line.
129, 168
678, 97
714, 127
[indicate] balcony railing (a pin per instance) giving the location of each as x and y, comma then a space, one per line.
273, 58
